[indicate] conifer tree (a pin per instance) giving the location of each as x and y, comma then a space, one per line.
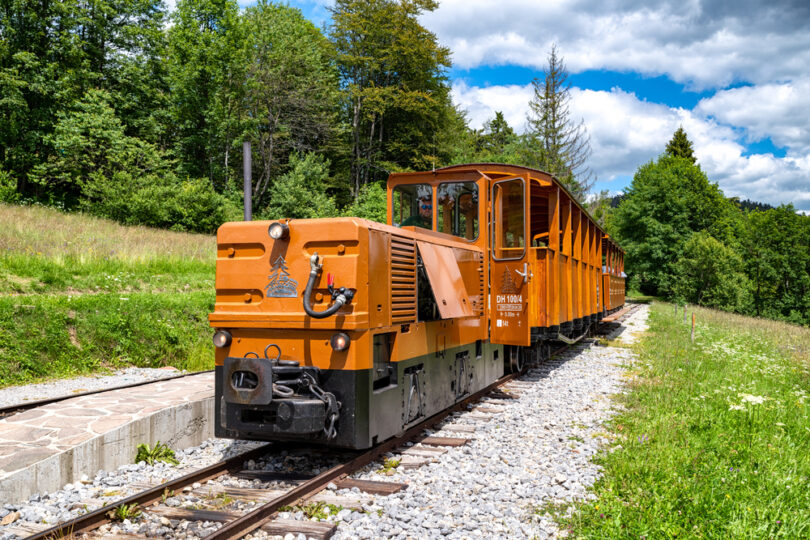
557, 144
681, 146
496, 134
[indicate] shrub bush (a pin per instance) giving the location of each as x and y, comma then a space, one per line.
159, 201
8, 188
301, 192
370, 204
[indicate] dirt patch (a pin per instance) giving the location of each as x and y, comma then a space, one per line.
74, 340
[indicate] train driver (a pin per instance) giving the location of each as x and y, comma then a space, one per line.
424, 216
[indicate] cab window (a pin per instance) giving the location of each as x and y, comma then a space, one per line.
458, 209
413, 206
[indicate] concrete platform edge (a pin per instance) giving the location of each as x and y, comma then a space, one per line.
179, 427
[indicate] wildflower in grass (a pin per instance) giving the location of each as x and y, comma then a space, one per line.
736, 407
754, 400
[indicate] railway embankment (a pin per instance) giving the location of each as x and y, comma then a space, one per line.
81, 295
713, 441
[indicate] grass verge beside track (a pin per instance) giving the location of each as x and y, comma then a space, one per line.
61, 336
715, 439
80, 294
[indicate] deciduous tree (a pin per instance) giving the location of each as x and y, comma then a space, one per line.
290, 89
392, 72
205, 40
668, 200
709, 273
52, 53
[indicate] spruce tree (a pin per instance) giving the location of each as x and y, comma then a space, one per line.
557, 145
496, 134
681, 146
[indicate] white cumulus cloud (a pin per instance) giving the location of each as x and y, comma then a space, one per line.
707, 44
626, 132
777, 110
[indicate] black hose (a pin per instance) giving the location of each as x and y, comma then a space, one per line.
339, 301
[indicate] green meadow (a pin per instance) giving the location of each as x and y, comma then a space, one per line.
714, 438
81, 294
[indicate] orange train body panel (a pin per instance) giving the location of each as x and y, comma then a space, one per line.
478, 267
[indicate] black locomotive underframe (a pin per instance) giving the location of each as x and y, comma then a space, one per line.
417, 388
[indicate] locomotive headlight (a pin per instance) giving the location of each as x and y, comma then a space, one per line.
277, 231
340, 342
222, 339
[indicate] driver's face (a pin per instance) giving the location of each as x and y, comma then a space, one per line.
425, 208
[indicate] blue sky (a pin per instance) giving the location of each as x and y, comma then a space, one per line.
733, 74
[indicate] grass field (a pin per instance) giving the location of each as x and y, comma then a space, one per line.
81, 294
715, 439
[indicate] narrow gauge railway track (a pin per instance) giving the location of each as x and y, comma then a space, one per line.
306, 488
242, 525
22, 407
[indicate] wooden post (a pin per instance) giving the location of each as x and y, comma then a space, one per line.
693, 327
247, 170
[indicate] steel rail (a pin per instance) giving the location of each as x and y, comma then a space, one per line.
256, 518
9, 410
96, 518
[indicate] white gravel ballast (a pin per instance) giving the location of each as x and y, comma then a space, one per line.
537, 450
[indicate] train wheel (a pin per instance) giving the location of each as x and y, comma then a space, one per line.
516, 360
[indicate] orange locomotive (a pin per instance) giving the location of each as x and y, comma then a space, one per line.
345, 331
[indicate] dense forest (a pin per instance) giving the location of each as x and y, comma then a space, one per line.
122, 109
686, 241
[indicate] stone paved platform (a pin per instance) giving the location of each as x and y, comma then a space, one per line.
43, 449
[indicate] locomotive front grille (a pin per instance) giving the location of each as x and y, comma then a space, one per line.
403, 280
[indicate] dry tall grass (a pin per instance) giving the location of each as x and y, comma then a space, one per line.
35, 230
793, 340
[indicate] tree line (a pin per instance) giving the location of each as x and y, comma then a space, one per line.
122, 109
687, 242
